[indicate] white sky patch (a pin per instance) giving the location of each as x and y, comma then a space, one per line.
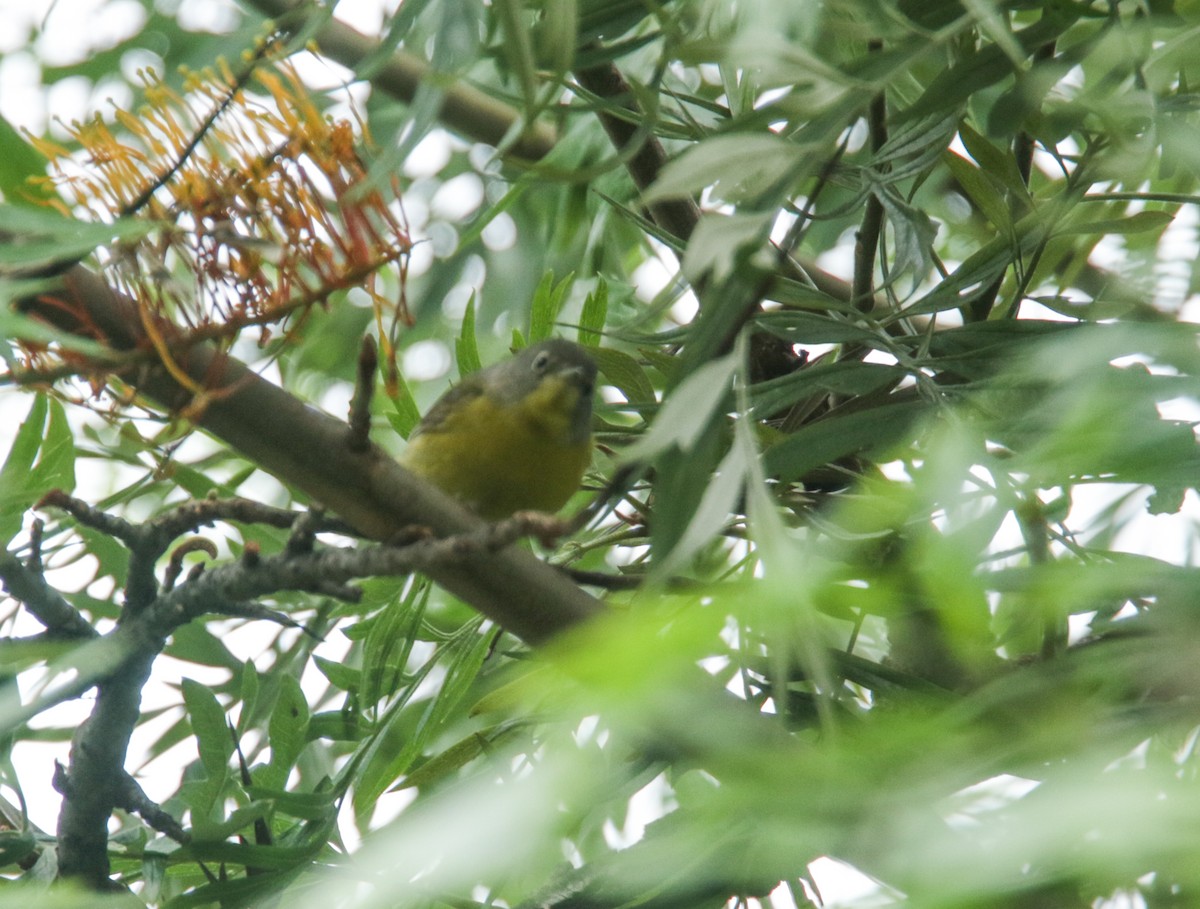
429, 156
426, 360
500, 233
458, 198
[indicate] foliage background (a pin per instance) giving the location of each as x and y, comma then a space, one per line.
946, 567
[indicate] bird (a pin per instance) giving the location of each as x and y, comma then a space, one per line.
516, 436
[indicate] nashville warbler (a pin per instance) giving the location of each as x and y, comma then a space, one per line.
515, 436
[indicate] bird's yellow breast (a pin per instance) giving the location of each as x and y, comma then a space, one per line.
500, 458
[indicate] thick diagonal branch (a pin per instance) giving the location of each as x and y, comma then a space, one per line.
310, 450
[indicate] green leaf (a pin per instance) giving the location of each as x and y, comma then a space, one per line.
840, 435
245, 854
340, 675
841, 377
304, 805
979, 69
249, 690
465, 654
980, 190
16, 492
15, 845
442, 765
288, 732
625, 373
336, 726
25, 444
213, 740
389, 644
194, 643
397, 741
813, 328
594, 315
404, 415
996, 164
463, 669
982, 267
427, 103
466, 350
547, 304
912, 232
709, 518
14, 325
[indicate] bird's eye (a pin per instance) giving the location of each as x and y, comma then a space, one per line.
541, 361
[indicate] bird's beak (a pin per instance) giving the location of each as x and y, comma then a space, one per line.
582, 379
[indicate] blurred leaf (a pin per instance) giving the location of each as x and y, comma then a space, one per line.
738, 167
843, 377
339, 674
438, 768
42, 238
194, 643
982, 67
303, 805
14, 326
708, 518
720, 240
16, 491
20, 164
1135, 223
686, 414
26, 443
248, 696
15, 846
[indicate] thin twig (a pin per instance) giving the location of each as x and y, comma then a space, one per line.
866, 241
1023, 147
359, 436
240, 81
133, 798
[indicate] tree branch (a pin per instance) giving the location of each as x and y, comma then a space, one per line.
645, 157
309, 450
96, 781
43, 602
92, 787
